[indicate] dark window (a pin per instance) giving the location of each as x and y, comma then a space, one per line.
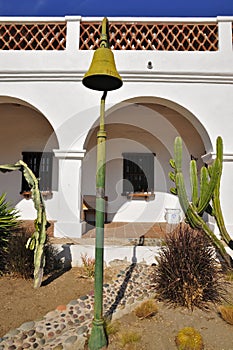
41, 165
138, 172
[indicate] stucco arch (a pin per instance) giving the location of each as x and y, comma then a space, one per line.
24, 128
143, 124
183, 120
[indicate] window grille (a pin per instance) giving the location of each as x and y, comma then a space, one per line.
138, 172
41, 165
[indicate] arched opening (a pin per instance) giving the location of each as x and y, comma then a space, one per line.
25, 131
143, 126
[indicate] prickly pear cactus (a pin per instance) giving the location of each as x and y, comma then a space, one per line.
204, 195
37, 241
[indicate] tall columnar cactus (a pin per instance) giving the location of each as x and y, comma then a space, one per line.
201, 196
217, 211
37, 241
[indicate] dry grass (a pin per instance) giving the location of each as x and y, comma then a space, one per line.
147, 308
127, 338
189, 338
229, 276
88, 265
226, 312
112, 327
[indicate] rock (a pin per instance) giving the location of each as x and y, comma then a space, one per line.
12, 333
81, 330
39, 335
71, 339
58, 347
27, 326
61, 307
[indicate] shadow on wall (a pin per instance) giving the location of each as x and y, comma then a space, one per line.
147, 211
64, 256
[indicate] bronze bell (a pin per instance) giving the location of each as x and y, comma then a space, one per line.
102, 74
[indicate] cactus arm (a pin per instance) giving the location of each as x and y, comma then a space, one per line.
194, 182
220, 221
181, 191
178, 153
40, 225
216, 197
207, 186
195, 220
37, 241
10, 167
201, 224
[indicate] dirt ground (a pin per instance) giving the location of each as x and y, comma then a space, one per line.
20, 302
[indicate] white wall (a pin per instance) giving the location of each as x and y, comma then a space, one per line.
197, 85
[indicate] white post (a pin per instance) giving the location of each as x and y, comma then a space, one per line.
225, 34
72, 33
69, 222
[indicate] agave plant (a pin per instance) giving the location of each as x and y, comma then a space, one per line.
8, 222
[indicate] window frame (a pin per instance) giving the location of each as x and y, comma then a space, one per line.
146, 171
41, 163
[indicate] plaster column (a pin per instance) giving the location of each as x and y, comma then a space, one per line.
73, 33
69, 223
225, 34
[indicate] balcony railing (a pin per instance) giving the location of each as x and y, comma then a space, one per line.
73, 33
142, 36
33, 36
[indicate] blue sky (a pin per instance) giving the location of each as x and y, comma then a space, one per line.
151, 8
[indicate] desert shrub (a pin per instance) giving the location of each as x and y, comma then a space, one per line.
147, 308
8, 223
229, 275
187, 273
88, 265
112, 328
19, 260
226, 312
128, 337
189, 338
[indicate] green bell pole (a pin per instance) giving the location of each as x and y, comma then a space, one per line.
98, 338
102, 76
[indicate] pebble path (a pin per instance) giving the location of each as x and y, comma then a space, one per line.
68, 326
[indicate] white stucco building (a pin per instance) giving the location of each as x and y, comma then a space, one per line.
177, 80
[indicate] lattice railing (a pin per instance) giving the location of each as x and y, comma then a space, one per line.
142, 36
31, 36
